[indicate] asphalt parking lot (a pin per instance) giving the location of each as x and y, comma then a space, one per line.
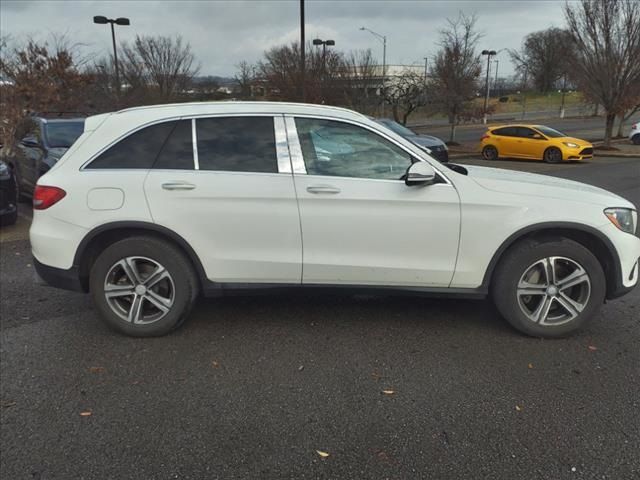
388, 387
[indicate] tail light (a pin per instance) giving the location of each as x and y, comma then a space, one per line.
45, 196
634, 126
484, 136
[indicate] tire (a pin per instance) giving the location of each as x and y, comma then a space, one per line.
524, 262
164, 304
490, 153
636, 139
552, 155
9, 219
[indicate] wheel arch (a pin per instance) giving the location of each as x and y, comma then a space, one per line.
595, 241
101, 237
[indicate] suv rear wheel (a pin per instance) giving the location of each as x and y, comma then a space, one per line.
548, 288
143, 286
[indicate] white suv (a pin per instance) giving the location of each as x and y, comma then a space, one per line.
153, 206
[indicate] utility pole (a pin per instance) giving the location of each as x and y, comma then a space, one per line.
303, 63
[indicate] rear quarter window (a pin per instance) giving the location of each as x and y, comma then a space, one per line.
138, 150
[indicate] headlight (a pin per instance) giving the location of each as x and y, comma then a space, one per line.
623, 218
4, 171
571, 145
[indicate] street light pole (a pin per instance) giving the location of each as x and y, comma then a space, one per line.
524, 96
495, 82
325, 44
303, 64
564, 89
489, 54
426, 63
101, 20
383, 39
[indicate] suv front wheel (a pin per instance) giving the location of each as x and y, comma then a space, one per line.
548, 288
143, 286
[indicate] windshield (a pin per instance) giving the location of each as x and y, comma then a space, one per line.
550, 132
397, 128
63, 134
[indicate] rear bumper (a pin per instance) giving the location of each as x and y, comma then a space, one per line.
58, 277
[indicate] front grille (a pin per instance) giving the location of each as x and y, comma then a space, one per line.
587, 151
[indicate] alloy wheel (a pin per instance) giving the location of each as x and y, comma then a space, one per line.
553, 291
139, 290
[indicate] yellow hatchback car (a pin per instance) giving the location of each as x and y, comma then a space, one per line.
534, 142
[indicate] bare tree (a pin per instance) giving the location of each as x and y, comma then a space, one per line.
405, 93
280, 70
160, 67
544, 54
457, 69
361, 80
37, 77
606, 39
245, 78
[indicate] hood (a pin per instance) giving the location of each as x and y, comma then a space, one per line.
577, 141
531, 184
425, 140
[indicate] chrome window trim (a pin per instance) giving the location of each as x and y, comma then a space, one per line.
296, 149
282, 146
194, 144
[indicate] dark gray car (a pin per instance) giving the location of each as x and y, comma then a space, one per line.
43, 144
432, 145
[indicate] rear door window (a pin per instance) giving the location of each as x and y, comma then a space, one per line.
237, 144
138, 150
177, 152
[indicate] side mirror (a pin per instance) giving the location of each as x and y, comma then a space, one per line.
420, 174
30, 142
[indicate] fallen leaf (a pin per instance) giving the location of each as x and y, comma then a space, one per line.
322, 454
300, 368
592, 348
519, 409
388, 392
8, 404
86, 413
97, 369
215, 364
530, 365
376, 375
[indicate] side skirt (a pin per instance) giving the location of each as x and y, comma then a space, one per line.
214, 289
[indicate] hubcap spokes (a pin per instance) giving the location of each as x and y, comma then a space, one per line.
553, 291
139, 290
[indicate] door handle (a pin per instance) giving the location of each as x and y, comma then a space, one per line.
178, 186
323, 189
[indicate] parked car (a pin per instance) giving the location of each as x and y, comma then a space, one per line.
432, 145
40, 148
8, 197
160, 204
634, 134
533, 142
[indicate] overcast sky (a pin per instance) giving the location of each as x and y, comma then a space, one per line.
222, 33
